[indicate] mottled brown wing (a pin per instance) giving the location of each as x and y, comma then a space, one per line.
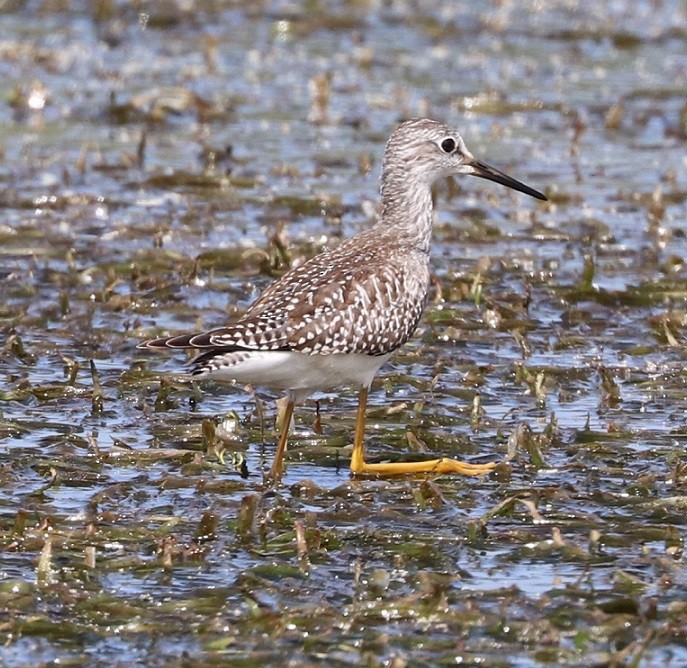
354, 299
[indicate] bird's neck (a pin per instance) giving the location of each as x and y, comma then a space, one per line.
407, 210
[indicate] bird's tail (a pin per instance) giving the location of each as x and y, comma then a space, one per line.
198, 341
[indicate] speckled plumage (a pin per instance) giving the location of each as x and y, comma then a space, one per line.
335, 319
362, 297
365, 296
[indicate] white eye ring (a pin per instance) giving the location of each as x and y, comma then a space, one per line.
448, 145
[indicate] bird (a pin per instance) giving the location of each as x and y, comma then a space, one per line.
335, 319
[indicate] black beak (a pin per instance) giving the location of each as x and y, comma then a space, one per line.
491, 174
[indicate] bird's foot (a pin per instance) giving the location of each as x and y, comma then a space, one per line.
432, 466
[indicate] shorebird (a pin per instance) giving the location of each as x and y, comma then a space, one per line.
334, 320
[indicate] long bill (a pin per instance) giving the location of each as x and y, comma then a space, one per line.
493, 174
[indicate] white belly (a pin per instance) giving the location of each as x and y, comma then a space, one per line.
286, 370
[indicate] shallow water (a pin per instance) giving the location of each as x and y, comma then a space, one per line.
149, 156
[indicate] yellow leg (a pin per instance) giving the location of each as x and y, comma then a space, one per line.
357, 459
436, 466
278, 464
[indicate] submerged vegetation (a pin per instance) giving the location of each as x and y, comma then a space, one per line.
161, 166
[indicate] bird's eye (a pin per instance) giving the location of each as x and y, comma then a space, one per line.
448, 145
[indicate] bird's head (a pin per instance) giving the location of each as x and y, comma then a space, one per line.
426, 150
